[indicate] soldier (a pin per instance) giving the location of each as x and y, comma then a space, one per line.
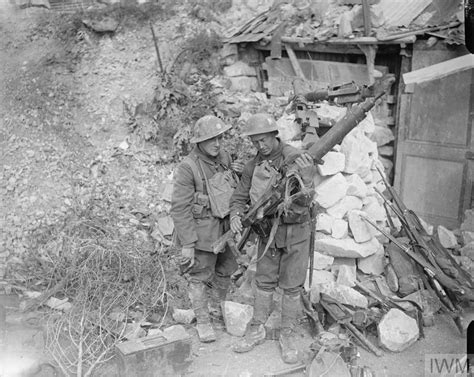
282, 258
203, 184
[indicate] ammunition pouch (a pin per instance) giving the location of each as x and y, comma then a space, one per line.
200, 208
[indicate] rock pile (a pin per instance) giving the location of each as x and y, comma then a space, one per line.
345, 190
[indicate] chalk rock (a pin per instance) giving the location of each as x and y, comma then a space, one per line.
357, 155
184, 316
340, 229
467, 237
175, 332
347, 247
236, 317
346, 204
361, 231
333, 163
373, 264
356, 186
331, 190
382, 135
468, 223
288, 129
244, 84
346, 275
368, 124
344, 294
324, 223
429, 229
468, 250
58, 304
397, 331
321, 277
322, 261
373, 209
386, 151
240, 69
447, 238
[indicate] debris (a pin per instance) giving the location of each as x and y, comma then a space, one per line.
175, 332
356, 186
244, 84
165, 225
339, 228
347, 247
447, 238
324, 223
124, 145
468, 250
382, 135
185, 316
361, 231
334, 163
374, 209
357, 155
467, 237
373, 264
331, 190
236, 317
346, 204
346, 275
239, 69
328, 364
397, 331
55, 303
344, 294
106, 24
322, 261
133, 331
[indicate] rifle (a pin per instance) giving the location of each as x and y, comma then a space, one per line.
274, 196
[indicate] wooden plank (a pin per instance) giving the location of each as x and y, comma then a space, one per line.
294, 61
440, 70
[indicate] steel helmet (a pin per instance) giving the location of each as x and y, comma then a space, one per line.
259, 124
207, 127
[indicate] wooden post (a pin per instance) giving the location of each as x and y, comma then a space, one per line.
294, 62
366, 14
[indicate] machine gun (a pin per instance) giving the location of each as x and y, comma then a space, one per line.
274, 196
343, 94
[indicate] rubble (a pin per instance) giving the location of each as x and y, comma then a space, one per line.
373, 264
346, 275
322, 261
330, 191
382, 135
334, 162
324, 223
346, 204
339, 229
397, 331
347, 247
236, 317
344, 294
356, 186
361, 231
185, 316
447, 238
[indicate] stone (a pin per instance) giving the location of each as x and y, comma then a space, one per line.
374, 210
397, 331
429, 229
240, 69
468, 223
360, 229
357, 157
185, 316
344, 294
346, 204
174, 332
288, 129
165, 225
447, 238
324, 223
373, 264
133, 331
55, 303
387, 165
346, 275
334, 163
236, 317
167, 191
356, 186
382, 135
330, 191
321, 277
322, 261
347, 247
244, 84
468, 250
386, 151
367, 125
340, 229
467, 237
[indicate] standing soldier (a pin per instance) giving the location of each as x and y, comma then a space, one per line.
203, 184
283, 252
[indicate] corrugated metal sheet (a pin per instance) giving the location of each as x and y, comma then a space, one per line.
398, 13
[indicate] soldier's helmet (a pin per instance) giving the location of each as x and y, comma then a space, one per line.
207, 127
259, 124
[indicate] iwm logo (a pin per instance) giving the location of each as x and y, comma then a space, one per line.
448, 365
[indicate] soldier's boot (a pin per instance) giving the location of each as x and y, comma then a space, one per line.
198, 297
219, 287
256, 333
289, 316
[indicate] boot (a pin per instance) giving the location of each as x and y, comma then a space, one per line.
289, 316
217, 294
198, 297
255, 333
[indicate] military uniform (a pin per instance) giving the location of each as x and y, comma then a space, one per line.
197, 228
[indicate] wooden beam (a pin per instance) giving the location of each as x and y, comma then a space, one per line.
294, 61
370, 51
366, 14
440, 70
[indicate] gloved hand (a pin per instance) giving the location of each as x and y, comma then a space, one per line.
187, 254
237, 166
306, 167
236, 224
